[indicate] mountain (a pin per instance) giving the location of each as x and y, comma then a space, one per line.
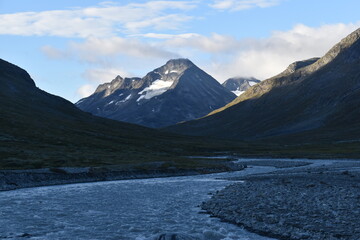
239, 85
178, 91
317, 100
39, 130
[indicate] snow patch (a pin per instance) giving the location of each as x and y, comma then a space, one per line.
127, 98
124, 100
238, 92
251, 83
157, 88
172, 71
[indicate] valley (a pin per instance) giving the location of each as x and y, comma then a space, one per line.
176, 154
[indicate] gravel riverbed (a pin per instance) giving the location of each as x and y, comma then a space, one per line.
319, 201
16, 179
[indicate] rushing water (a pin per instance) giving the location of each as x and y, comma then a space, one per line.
132, 209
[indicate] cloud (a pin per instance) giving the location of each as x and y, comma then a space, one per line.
215, 43
264, 58
168, 22
54, 53
221, 56
225, 56
102, 75
95, 49
86, 90
99, 21
100, 50
167, 36
238, 5
71, 23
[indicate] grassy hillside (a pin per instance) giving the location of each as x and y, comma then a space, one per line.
39, 130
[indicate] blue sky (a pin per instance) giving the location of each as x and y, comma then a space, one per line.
71, 46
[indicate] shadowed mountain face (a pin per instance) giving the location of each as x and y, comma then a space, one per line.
312, 100
178, 91
239, 85
38, 129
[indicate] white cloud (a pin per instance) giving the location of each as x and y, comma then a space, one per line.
70, 23
220, 55
99, 50
86, 90
264, 58
168, 22
54, 53
94, 49
238, 5
102, 75
167, 36
261, 58
216, 43
99, 21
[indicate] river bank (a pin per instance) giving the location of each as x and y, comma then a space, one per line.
16, 179
319, 201
141, 209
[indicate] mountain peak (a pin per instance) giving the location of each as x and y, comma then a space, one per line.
299, 64
175, 92
118, 83
170, 72
179, 62
239, 85
118, 78
17, 75
345, 43
348, 48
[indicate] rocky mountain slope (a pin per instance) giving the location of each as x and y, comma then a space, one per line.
312, 100
178, 91
239, 85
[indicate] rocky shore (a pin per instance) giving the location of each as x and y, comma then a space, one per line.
15, 179
314, 202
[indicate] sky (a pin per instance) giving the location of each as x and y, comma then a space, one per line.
69, 47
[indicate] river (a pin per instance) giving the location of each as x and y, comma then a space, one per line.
133, 209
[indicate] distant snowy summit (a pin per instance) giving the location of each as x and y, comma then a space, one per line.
239, 85
175, 92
